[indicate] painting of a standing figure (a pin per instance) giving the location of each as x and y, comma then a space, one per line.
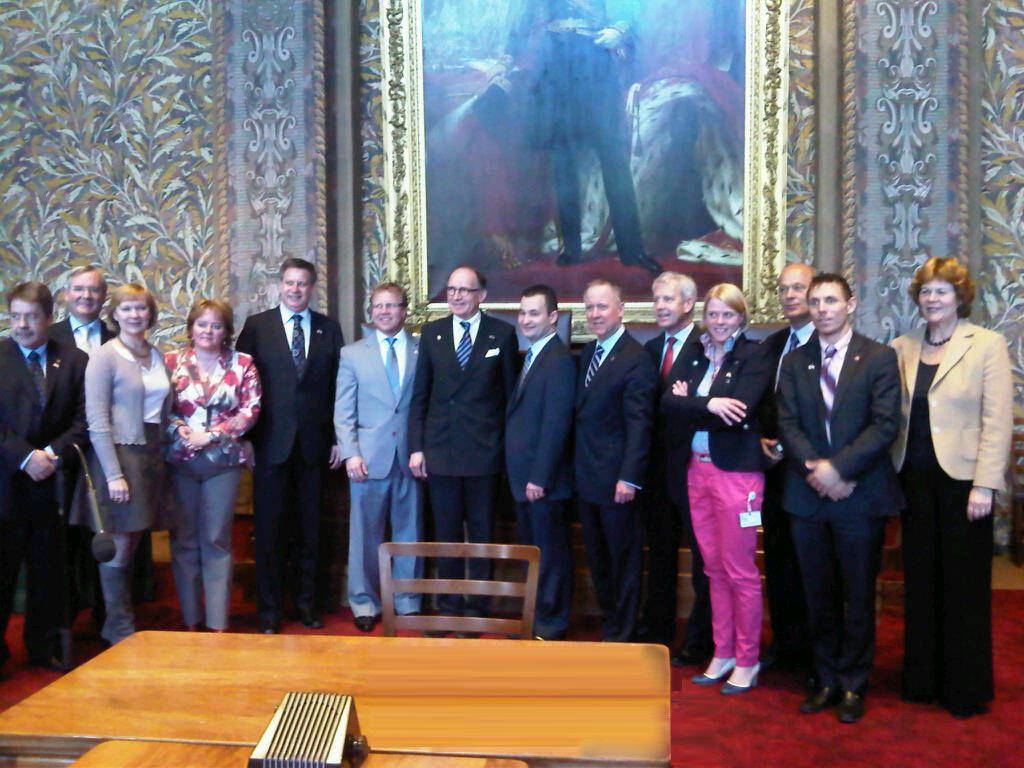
571, 138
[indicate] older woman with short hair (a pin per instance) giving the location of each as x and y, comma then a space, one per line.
713, 412
952, 452
127, 402
217, 399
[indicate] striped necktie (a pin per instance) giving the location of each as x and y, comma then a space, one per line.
527, 361
465, 345
595, 363
828, 387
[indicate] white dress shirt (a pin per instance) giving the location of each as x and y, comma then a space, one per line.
458, 331
289, 326
88, 336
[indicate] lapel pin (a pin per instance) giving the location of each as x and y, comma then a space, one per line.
694, 363
319, 331
55, 364
439, 337
810, 367
856, 358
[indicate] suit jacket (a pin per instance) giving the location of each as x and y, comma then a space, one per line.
746, 375
970, 404
368, 420
457, 417
865, 418
538, 425
25, 425
768, 416
663, 463
61, 332
613, 419
293, 407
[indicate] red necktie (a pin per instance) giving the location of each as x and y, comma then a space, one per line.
666, 362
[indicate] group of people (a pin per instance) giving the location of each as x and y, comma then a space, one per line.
816, 434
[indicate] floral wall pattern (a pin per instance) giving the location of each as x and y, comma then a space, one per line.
803, 170
108, 122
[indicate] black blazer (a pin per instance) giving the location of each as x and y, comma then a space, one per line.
774, 476
613, 420
25, 425
456, 416
538, 425
61, 332
865, 418
293, 407
746, 374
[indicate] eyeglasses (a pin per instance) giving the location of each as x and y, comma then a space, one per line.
386, 305
458, 290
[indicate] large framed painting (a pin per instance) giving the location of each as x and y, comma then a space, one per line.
557, 141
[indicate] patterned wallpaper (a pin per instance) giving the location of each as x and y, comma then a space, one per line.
108, 121
372, 146
802, 175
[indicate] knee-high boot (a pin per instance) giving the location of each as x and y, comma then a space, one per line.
120, 620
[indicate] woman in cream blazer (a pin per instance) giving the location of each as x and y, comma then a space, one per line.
952, 452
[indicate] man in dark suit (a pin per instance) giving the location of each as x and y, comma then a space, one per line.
538, 424
614, 404
83, 298
464, 376
42, 414
787, 606
667, 511
296, 352
839, 410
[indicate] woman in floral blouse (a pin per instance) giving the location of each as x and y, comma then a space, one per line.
217, 399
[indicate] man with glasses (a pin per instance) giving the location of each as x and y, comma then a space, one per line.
465, 374
371, 415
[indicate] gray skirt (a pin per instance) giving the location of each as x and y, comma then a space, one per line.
150, 497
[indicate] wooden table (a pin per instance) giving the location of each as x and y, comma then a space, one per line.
547, 703
161, 754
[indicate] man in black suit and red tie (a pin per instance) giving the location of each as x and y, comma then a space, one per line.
787, 606
614, 406
839, 410
465, 373
296, 353
42, 414
668, 506
538, 425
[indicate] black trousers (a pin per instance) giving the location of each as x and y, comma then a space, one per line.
287, 501
612, 535
947, 563
544, 524
787, 606
32, 536
462, 509
839, 561
665, 524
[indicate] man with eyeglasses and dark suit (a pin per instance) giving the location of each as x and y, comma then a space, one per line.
465, 373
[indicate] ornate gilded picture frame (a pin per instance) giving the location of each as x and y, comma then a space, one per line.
489, 105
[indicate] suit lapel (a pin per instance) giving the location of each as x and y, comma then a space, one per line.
534, 366
485, 340
958, 346
812, 377
283, 336
375, 365
850, 365
412, 351
53, 366
316, 338
912, 360
20, 366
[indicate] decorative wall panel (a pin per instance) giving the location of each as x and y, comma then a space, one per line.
109, 126
803, 171
372, 155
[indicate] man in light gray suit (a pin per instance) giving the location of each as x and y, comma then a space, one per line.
371, 413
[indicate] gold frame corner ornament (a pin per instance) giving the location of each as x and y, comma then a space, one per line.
765, 159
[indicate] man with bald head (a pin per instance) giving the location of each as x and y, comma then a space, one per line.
786, 604
465, 374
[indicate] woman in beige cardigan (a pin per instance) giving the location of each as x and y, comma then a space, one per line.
952, 452
127, 402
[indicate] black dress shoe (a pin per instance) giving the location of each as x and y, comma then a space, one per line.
366, 623
851, 707
310, 618
821, 699
269, 627
687, 657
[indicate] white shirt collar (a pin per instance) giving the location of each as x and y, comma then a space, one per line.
610, 342
539, 344
287, 314
841, 344
473, 322
93, 325
40, 350
681, 336
399, 337
802, 334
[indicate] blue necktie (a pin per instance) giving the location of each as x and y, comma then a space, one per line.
595, 363
35, 367
391, 368
526, 368
298, 344
465, 345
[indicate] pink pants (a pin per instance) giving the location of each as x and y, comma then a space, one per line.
716, 499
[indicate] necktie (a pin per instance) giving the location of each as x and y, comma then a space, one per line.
595, 363
526, 367
298, 344
828, 387
35, 367
794, 342
82, 340
666, 362
391, 368
465, 345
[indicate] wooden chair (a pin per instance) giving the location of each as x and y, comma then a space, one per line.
1017, 492
525, 590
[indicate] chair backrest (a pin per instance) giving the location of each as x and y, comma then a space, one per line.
525, 590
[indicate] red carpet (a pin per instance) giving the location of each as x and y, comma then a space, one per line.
761, 728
